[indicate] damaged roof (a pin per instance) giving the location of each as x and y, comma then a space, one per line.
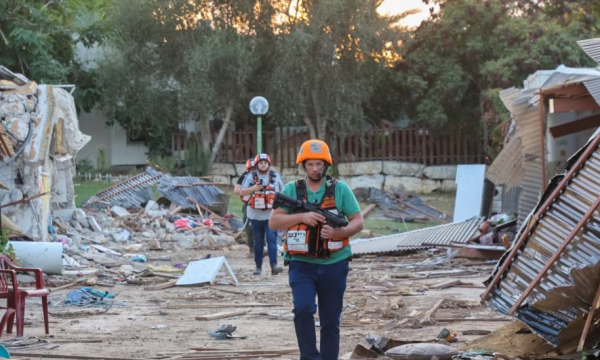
180, 189
185, 191
411, 240
549, 277
130, 193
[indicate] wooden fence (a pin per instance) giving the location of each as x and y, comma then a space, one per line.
416, 144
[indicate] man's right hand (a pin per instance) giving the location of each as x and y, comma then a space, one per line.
313, 219
257, 187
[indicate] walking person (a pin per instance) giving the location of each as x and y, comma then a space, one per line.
261, 186
318, 254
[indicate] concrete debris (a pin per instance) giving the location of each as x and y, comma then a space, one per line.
39, 141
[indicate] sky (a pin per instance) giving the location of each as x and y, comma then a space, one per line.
394, 7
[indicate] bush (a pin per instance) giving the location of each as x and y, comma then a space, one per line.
165, 163
102, 162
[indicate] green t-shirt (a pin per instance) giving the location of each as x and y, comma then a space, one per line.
346, 204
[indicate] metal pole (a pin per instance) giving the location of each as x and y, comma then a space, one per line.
259, 135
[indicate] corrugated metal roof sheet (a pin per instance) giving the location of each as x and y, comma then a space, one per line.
593, 87
508, 96
507, 168
555, 307
411, 240
130, 193
179, 189
510, 200
591, 47
529, 130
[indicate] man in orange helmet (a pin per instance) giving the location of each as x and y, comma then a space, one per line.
318, 254
261, 186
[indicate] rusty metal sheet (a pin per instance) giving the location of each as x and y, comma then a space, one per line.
555, 307
411, 240
507, 168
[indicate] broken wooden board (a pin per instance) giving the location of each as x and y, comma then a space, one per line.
222, 315
100, 259
161, 286
220, 306
427, 316
205, 271
105, 249
445, 284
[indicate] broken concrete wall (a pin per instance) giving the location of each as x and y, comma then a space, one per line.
40, 123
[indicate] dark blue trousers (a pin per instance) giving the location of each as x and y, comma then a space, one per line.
328, 282
260, 230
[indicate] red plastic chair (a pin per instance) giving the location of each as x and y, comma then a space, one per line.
15, 298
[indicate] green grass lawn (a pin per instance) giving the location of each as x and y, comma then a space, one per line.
85, 190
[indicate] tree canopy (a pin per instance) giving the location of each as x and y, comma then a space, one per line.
325, 64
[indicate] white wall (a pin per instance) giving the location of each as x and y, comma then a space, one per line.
112, 139
124, 153
93, 124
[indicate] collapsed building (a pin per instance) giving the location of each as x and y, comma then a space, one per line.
39, 141
549, 278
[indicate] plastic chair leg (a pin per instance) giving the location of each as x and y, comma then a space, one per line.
21, 316
10, 313
45, 310
10, 303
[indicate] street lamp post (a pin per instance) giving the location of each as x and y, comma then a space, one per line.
259, 107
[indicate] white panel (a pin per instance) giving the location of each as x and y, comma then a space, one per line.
469, 191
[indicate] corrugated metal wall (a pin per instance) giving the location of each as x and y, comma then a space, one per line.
529, 130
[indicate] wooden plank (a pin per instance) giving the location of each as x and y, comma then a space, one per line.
161, 286
474, 320
60, 356
222, 315
364, 212
430, 139
588, 320
411, 151
445, 284
220, 306
247, 351
404, 142
220, 357
431, 311
452, 160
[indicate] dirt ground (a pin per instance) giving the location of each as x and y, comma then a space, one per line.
126, 331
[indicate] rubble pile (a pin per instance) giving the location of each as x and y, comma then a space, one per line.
113, 237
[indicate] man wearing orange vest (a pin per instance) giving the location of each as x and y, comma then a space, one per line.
318, 254
261, 186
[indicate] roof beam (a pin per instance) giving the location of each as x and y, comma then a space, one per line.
560, 105
590, 122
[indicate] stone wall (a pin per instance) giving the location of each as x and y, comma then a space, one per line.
383, 175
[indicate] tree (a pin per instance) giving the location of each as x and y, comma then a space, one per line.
455, 63
160, 58
219, 69
326, 59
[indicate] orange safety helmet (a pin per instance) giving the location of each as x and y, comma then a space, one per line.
314, 150
249, 164
262, 157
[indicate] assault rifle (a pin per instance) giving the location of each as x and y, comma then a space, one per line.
333, 220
